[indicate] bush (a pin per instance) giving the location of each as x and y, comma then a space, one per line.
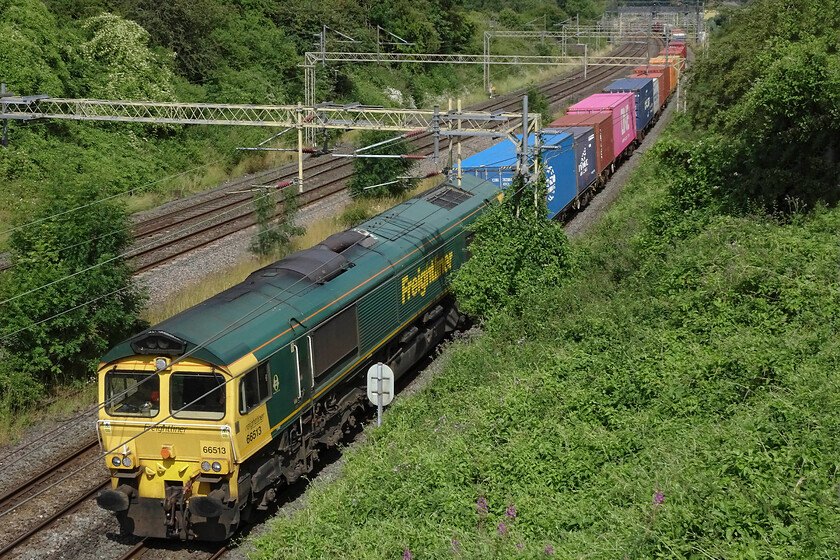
516, 252
66, 301
369, 172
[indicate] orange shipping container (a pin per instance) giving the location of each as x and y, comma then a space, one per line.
671, 61
670, 76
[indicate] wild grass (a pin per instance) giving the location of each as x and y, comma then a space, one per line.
64, 405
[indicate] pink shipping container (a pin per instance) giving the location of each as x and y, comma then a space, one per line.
622, 107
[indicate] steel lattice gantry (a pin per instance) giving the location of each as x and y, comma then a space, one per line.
352, 116
452, 123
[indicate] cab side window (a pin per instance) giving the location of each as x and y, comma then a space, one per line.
254, 388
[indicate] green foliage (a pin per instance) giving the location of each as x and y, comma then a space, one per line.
515, 253
355, 215
119, 64
33, 58
69, 295
770, 82
275, 231
368, 172
538, 103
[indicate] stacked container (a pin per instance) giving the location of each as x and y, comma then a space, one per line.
646, 104
622, 109
667, 73
601, 124
660, 88
497, 164
673, 61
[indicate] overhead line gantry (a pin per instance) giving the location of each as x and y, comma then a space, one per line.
451, 123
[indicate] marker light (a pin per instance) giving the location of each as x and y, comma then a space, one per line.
205, 465
217, 466
116, 461
126, 462
161, 363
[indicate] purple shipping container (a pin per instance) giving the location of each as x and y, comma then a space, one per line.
621, 106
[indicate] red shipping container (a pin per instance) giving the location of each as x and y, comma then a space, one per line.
602, 125
622, 106
673, 50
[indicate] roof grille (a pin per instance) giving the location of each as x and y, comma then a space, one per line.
446, 196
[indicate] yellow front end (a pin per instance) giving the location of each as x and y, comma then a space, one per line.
167, 436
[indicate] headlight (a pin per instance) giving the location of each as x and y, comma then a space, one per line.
217, 466
126, 462
116, 461
205, 465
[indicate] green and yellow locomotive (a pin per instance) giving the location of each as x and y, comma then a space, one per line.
205, 415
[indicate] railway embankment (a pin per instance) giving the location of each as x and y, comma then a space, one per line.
662, 402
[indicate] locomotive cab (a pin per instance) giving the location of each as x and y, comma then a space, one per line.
167, 434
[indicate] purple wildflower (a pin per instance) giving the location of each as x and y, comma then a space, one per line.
407, 555
502, 528
456, 546
658, 498
396, 468
549, 550
481, 508
520, 546
510, 513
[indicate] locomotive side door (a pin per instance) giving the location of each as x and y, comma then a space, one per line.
302, 349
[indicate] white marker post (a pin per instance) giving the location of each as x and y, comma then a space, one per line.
380, 388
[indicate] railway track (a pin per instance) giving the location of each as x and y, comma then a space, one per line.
33, 512
140, 549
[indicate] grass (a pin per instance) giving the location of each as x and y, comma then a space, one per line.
656, 406
64, 405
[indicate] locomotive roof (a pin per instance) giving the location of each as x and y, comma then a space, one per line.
308, 286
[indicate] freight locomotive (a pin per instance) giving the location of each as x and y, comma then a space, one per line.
206, 414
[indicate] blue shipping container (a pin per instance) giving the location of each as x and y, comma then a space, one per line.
497, 164
642, 88
584, 153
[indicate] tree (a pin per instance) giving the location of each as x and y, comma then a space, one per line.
770, 84
516, 252
275, 232
69, 295
368, 172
